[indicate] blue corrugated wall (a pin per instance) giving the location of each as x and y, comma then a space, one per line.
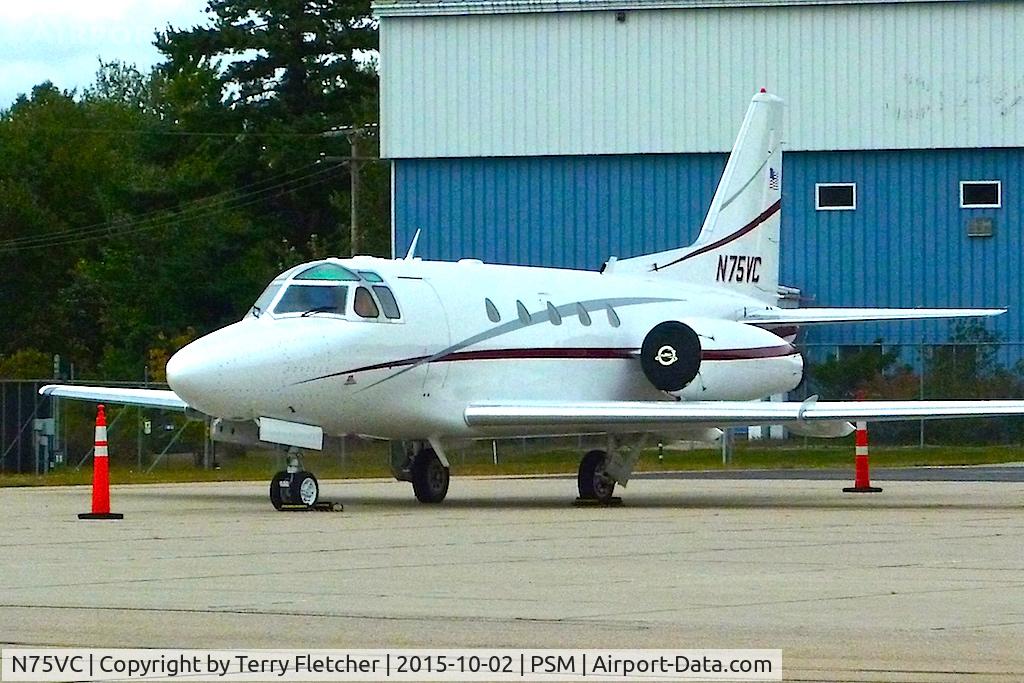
906, 244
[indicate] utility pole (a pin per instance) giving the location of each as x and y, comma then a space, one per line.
355, 135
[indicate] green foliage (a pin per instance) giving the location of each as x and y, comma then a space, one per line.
154, 207
26, 364
847, 375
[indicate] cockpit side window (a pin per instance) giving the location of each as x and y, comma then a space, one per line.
265, 299
387, 302
364, 304
299, 298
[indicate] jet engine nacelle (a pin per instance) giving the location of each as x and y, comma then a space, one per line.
711, 359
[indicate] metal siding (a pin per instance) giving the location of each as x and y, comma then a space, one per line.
875, 76
905, 245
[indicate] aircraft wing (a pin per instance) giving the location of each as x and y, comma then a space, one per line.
820, 316
726, 413
152, 398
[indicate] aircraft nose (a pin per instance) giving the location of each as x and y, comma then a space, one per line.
201, 373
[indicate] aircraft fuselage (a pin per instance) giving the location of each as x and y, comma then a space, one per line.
471, 332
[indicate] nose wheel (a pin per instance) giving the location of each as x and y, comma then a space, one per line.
294, 486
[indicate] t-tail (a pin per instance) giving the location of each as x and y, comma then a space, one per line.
738, 245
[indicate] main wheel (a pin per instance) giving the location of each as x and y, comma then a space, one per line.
593, 482
430, 477
279, 490
305, 489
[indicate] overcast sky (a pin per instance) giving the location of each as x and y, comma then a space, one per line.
62, 40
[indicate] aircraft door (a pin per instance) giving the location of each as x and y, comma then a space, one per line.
430, 324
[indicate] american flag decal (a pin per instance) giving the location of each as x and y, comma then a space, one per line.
773, 179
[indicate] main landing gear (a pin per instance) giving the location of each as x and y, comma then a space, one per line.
294, 486
601, 470
424, 465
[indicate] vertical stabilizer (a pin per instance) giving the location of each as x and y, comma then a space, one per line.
738, 245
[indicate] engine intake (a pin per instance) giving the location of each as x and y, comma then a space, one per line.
670, 355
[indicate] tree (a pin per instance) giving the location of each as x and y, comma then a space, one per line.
290, 70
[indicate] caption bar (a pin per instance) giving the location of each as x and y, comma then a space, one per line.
45, 664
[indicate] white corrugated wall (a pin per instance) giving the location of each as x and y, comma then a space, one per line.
868, 76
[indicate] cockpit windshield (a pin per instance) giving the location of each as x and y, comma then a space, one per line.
332, 289
313, 299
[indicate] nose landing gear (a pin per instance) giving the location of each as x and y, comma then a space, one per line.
294, 486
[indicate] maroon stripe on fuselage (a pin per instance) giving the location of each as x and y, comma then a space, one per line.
577, 353
749, 354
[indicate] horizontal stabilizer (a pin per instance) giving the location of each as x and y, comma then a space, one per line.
152, 398
725, 413
823, 316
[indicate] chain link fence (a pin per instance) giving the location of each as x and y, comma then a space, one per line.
879, 371
39, 434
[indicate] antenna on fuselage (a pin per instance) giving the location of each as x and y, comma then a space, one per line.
412, 247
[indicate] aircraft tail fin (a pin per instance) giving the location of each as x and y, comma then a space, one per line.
738, 245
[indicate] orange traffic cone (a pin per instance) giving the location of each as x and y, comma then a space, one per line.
100, 473
862, 475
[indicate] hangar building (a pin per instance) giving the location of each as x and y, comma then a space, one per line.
562, 132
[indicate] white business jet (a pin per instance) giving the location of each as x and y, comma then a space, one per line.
675, 344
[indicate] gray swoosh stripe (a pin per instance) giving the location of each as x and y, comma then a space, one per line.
565, 311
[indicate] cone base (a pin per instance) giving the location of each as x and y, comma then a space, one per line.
101, 515
862, 489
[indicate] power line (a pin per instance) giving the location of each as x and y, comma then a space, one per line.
107, 225
189, 214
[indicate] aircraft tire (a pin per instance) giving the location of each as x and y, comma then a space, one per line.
430, 478
305, 489
670, 355
591, 480
277, 495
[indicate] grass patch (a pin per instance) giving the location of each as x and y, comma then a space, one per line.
370, 460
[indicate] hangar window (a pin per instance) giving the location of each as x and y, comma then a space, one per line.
613, 317
524, 315
584, 317
492, 311
835, 196
981, 194
553, 315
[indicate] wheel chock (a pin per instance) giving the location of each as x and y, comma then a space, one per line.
316, 507
614, 501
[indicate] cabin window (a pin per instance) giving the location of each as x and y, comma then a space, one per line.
312, 299
584, 317
553, 315
364, 305
387, 302
835, 196
613, 317
524, 315
327, 271
981, 194
492, 311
